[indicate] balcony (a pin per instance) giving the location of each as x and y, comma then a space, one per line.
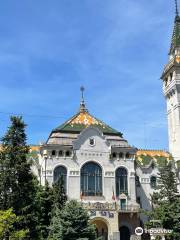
99, 206
128, 208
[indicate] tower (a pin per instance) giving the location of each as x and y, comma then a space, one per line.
171, 89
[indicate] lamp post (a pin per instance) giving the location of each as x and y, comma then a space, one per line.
45, 155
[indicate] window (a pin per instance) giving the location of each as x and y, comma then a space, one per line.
60, 153
127, 155
166, 82
153, 182
121, 181
121, 155
53, 153
139, 201
123, 204
91, 141
68, 153
114, 155
60, 172
171, 76
91, 180
137, 181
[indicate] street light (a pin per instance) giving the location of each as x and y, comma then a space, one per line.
45, 155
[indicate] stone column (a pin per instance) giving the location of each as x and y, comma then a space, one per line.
116, 236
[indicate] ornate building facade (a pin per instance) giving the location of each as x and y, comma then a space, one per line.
112, 179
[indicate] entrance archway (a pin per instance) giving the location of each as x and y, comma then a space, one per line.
101, 229
124, 233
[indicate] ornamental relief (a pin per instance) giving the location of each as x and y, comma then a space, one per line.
109, 174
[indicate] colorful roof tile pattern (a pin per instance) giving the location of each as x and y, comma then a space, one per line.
83, 120
175, 42
144, 158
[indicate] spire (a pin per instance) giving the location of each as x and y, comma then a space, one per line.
176, 5
175, 41
82, 103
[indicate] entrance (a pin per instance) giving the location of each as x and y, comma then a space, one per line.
101, 229
124, 233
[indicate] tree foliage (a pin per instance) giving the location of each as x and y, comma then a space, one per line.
8, 221
59, 194
17, 183
44, 202
166, 202
72, 222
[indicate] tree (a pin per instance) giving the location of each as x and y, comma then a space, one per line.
17, 183
44, 202
7, 226
72, 222
59, 194
167, 184
166, 202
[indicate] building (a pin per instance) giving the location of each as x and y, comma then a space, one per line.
171, 89
112, 179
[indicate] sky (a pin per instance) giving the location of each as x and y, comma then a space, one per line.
116, 49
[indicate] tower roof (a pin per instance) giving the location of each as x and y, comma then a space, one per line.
84, 119
175, 41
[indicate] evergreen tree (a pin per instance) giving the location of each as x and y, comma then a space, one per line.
55, 229
17, 183
166, 202
167, 184
72, 222
59, 194
44, 202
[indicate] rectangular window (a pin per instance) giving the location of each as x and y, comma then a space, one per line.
123, 204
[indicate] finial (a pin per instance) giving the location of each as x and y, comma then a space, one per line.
82, 93
176, 5
82, 104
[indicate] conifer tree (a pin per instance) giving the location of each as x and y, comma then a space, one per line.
44, 203
59, 194
17, 183
166, 202
72, 222
167, 184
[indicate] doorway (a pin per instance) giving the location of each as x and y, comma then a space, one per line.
124, 233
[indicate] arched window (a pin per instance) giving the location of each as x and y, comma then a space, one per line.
121, 181
60, 153
68, 153
121, 155
59, 172
91, 179
153, 182
137, 181
53, 152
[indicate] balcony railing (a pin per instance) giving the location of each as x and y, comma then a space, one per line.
110, 206
128, 208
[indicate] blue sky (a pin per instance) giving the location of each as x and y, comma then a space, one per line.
115, 48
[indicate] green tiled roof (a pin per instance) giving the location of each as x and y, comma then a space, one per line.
83, 120
175, 42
